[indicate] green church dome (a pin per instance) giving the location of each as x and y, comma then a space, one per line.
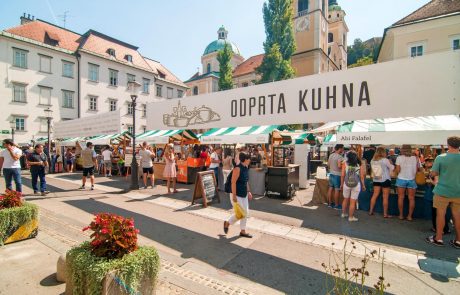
334, 6
219, 44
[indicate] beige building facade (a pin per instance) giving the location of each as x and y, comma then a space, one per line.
432, 28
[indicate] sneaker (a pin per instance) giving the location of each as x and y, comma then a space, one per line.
106, 175
110, 175
35, 193
331, 205
344, 215
351, 219
82, 187
338, 207
142, 187
43, 193
92, 187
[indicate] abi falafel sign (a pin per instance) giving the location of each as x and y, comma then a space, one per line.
400, 88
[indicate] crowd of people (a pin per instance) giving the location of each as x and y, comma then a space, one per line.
439, 174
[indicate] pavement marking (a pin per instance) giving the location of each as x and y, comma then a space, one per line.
304, 235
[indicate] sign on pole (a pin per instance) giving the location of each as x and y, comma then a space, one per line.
421, 86
103, 124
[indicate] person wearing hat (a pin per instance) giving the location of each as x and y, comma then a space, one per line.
406, 168
9, 161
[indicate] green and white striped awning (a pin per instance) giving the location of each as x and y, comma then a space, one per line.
69, 141
234, 135
163, 136
293, 137
108, 139
41, 140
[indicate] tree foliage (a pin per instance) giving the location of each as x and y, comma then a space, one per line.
224, 57
280, 43
364, 61
361, 49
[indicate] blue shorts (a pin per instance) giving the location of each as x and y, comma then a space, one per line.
406, 183
334, 181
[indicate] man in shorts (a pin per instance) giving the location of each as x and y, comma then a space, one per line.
88, 157
147, 164
335, 173
107, 158
447, 191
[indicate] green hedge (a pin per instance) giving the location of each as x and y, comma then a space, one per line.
88, 271
12, 218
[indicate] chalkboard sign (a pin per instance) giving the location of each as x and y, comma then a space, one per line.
205, 187
129, 159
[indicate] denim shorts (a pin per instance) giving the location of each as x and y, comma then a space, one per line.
406, 183
334, 181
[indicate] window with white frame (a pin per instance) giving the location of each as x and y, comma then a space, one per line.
130, 129
113, 77
159, 90
93, 72
456, 43
145, 85
19, 92
93, 103
130, 108
130, 78
67, 99
113, 105
45, 63
416, 50
144, 110
180, 93
45, 95
170, 93
20, 58
67, 69
20, 123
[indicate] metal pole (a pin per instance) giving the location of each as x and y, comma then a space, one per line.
49, 144
134, 166
12, 134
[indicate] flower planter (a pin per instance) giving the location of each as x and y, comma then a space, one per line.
134, 273
18, 223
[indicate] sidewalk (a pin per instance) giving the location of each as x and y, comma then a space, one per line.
279, 258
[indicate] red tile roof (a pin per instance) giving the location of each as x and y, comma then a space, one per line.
158, 68
248, 66
99, 44
432, 9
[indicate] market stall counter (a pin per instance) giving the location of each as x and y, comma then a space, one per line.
188, 169
257, 180
158, 168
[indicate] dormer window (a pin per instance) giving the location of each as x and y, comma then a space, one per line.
111, 52
129, 58
161, 74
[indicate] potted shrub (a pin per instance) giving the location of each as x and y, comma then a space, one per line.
18, 219
112, 262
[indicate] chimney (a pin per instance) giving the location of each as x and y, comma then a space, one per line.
26, 19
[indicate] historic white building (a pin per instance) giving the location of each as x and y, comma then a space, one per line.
45, 66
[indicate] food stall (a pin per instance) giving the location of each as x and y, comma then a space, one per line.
392, 132
258, 135
187, 167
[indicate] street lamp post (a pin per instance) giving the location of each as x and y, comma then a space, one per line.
133, 87
13, 127
49, 117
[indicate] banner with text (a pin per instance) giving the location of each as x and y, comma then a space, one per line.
103, 124
396, 137
421, 86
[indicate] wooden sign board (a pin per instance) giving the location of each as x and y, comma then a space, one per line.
205, 187
129, 159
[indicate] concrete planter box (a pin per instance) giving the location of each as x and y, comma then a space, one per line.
18, 223
87, 274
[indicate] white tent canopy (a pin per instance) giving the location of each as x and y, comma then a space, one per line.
432, 130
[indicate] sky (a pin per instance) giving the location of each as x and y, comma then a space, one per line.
176, 32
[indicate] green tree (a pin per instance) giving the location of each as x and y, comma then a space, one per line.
279, 44
364, 61
224, 56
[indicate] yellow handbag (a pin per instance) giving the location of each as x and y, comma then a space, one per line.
420, 178
239, 212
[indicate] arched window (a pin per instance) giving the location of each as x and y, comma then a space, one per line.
208, 68
330, 37
302, 5
195, 90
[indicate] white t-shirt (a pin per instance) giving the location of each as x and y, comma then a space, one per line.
408, 166
8, 160
146, 158
214, 156
107, 155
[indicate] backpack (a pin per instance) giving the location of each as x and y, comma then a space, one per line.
352, 177
377, 170
228, 183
